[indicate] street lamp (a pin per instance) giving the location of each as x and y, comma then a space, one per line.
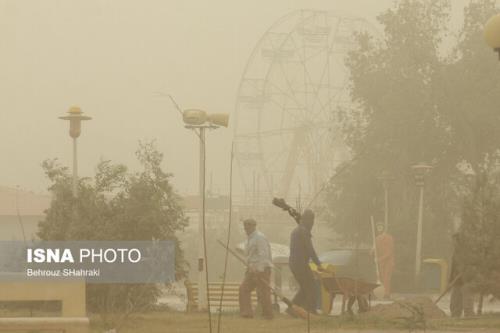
492, 33
420, 171
199, 121
75, 117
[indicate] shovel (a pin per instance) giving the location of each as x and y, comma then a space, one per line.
380, 290
295, 309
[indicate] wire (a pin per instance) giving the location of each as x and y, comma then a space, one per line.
177, 107
175, 104
362, 152
21, 224
19, 219
341, 170
228, 237
202, 142
308, 321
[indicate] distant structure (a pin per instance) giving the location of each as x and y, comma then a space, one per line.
20, 212
287, 137
216, 210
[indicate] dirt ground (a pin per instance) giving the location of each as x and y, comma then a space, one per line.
181, 322
409, 307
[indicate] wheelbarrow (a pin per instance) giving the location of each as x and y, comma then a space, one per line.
351, 289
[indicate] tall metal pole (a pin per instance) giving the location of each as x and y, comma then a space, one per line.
386, 179
386, 208
75, 169
198, 119
420, 170
418, 259
202, 286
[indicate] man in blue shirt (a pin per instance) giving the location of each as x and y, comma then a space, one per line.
301, 251
258, 274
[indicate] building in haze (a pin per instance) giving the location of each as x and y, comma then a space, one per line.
20, 212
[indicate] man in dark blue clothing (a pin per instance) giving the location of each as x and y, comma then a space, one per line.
301, 251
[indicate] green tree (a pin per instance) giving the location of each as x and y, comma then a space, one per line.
417, 99
116, 205
478, 255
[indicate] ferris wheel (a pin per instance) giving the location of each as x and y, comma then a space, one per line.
287, 138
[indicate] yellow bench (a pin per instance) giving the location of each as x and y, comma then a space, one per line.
229, 301
71, 294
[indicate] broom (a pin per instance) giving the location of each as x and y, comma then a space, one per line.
448, 288
295, 309
380, 290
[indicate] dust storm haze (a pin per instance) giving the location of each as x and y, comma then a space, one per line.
117, 60
376, 121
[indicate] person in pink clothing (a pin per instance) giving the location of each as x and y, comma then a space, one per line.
385, 257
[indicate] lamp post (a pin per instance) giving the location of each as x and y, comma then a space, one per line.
199, 121
385, 178
420, 170
492, 33
75, 117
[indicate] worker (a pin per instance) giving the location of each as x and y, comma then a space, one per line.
258, 274
301, 251
461, 299
385, 258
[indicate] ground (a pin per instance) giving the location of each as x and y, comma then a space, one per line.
173, 322
179, 321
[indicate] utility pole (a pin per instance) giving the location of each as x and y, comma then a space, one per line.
420, 170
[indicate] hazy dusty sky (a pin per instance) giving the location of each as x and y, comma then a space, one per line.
110, 57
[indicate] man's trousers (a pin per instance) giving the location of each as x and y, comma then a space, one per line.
261, 282
461, 300
306, 296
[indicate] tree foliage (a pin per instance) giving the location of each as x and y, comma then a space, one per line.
421, 93
477, 247
116, 205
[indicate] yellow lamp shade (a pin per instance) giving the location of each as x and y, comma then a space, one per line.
492, 32
75, 110
219, 119
194, 117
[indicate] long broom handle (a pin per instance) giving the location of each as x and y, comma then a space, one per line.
300, 312
233, 253
372, 222
243, 261
452, 283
